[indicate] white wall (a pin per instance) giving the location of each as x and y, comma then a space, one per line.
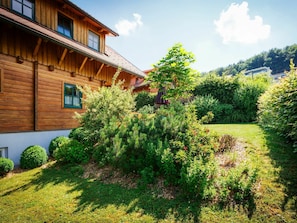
18, 142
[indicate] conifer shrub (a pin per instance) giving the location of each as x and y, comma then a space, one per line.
6, 165
56, 143
32, 157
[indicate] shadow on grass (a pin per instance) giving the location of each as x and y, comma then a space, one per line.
96, 195
282, 154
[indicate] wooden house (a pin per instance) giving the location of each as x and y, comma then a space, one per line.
47, 48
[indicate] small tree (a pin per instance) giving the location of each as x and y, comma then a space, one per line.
173, 72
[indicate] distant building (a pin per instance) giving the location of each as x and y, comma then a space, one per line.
259, 70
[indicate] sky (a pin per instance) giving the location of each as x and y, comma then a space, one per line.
217, 32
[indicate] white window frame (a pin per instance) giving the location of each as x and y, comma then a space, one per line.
93, 40
4, 152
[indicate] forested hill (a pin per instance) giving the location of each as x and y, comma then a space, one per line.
277, 59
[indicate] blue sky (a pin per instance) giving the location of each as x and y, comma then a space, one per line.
218, 32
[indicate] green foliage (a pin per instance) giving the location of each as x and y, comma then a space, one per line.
72, 151
230, 99
6, 165
144, 98
278, 106
33, 156
78, 134
204, 104
104, 106
277, 59
220, 88
173, 73
197, 177
237, 185
56, 143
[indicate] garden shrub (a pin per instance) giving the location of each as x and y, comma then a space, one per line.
56, 143
237, 185
33, 156
220, 88
231, 99
144, 98
168, 142
278, 106
205, 104
6, 165
78, 134
104, 106
72, 151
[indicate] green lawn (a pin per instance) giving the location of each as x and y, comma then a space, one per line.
56, 194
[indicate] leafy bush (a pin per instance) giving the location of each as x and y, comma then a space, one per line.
72, 151
231, 99
277, 107
220, 88
205, 104
197, 177
33, 156
6, 165
56, 143
237, 185
77, 133
144, 98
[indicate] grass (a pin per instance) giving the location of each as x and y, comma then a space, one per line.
58, 194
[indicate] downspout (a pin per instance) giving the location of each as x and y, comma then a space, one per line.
35, 96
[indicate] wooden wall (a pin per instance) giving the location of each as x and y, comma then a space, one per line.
16, 98
21, 109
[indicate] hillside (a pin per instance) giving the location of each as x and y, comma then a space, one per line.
277, 59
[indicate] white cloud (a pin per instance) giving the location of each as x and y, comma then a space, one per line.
126, 27
235, 25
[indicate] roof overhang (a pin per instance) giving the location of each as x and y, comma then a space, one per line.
115, 60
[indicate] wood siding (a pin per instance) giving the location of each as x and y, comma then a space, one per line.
31, 97
16, 99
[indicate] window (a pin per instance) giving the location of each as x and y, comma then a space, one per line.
65, 26
3, 152
93, 41
72, 96
24, 7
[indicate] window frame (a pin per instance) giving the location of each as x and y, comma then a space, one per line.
74, 90
4, 152
92, 42
23, 5
64, 27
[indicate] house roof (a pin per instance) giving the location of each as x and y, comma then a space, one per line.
86, 16
111, 57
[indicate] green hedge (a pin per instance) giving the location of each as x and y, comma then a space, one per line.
278, 106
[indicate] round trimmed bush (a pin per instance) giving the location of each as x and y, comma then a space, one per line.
6, 165
72, 152
33, 156
56, 143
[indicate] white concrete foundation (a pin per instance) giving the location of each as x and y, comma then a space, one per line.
16, 143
